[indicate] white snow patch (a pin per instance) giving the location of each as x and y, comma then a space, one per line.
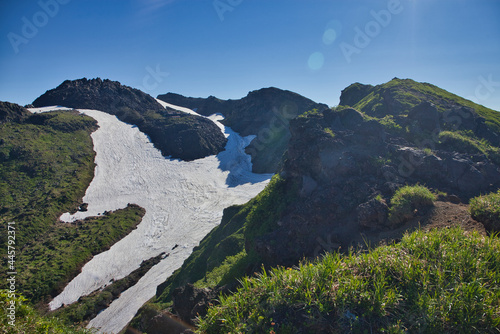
183, 202
47, 109
183, 109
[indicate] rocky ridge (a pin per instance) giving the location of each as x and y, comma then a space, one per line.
348, 162
176, 134
265, 113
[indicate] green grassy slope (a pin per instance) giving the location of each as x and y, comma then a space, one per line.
443, 281
47, 162
404, 94
28, 320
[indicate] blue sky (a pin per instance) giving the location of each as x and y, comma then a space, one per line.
227, 48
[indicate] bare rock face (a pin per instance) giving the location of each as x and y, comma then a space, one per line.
176, 134
426, 116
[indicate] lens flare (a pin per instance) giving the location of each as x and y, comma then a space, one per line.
316, 61
329, 36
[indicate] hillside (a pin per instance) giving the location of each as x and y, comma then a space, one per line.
337, 188
265, 113
47, 163
442, 281
399, 96
174, 133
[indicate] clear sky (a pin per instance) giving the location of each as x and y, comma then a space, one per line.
227, 48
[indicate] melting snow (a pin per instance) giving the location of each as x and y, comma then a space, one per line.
183, 201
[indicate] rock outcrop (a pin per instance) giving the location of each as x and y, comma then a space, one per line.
191, 302
176, 134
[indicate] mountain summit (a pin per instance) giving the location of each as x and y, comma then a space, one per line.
175, 133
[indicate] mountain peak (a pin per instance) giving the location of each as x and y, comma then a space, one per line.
184, 136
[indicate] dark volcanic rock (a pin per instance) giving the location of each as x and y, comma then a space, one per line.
176, 134
191, 302
354, 93
265, 113
426, 116
346, 168
106, 95
373, 213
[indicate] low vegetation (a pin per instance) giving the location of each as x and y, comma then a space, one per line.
467, 143
442, 281
486, 209
55, 257
407, 199
49, 158
47, 163
29, 320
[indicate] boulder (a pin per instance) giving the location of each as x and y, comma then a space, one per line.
373, 213
426, 116
191, 302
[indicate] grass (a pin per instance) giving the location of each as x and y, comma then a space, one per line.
406, 200
486, 209
390, 125
329, 132
406, 94
55, 257
47, 163
467, 143
443, 281
50, 160
28, 320
268, 206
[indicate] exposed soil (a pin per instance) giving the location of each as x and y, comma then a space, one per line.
442, 215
